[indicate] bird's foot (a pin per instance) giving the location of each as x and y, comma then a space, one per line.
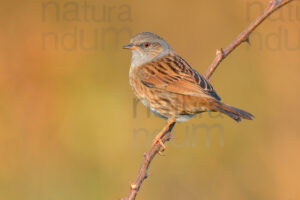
158, 140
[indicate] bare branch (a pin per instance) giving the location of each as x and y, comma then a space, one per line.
148, 156
220, 55
244, 36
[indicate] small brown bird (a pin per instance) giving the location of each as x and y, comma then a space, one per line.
167, 85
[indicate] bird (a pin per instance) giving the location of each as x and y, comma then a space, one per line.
168, 86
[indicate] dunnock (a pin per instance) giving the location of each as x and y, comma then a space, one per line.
167, 85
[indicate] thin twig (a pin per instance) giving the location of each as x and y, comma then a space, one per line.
220, 55
148, 156
244, 36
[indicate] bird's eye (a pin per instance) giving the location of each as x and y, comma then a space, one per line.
146, 45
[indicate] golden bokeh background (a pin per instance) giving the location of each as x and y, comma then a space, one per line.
70, 127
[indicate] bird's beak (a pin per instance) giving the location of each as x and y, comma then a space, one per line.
129, 46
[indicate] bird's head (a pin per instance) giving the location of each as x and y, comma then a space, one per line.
146, 47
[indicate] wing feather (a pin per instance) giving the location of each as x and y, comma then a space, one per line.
174, 74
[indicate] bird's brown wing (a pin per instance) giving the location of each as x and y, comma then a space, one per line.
174, 74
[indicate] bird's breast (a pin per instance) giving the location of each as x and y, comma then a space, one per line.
138, 89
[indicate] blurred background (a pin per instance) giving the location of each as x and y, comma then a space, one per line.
70, 127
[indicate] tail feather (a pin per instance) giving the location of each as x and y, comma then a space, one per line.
232, 112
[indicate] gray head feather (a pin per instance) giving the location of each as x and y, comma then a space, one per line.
148, 47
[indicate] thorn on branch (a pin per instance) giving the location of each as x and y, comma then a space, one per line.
247, 39
220, 53
146, 175
146, 156
274, 3
133, 186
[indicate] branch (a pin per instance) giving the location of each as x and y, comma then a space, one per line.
220, 55
148, 156
244, 36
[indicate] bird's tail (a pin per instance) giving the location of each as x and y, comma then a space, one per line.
232, 112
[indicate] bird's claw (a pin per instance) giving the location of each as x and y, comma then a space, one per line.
158, 140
